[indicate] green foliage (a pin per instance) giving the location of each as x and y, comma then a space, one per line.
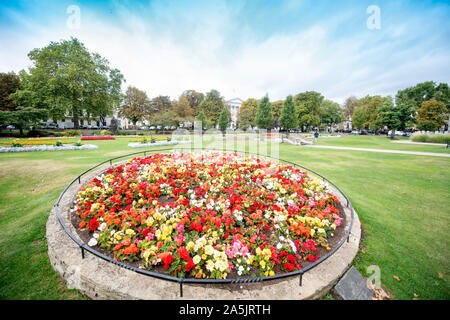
432, 111
277, 106
58, 144
212, 106
427, 125
105, 132
202, 118
264, 116
331, 113
416, 95
136, 105
194, 98
288, 117
308, 105
9, 83
224, 120
67, 78
78, 144
247, 112
23, 117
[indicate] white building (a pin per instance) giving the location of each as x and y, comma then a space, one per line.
235, 105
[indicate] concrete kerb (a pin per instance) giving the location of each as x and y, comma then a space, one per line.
100, 279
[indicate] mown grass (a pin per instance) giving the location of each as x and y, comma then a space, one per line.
379, 142
402, 202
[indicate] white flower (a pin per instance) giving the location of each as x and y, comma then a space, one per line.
95, 235
279, 245
92, 242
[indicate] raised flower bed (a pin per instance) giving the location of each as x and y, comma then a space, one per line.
155, 144
208, 216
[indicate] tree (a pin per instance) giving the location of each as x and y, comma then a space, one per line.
212, 106
389, 116
183, 109
135, 106
371, 106
9, 83
194, 98
414, 96
224, 120
23, 117
307, 105
350, 105
69, 80
202, 118
359, 117
247, 111
159, 103
264, 116
277, 106
331, 113
432, 111
288, 117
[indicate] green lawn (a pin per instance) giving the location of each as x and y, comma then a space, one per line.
379, 142
402, 202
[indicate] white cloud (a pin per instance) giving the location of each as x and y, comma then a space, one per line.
156, 55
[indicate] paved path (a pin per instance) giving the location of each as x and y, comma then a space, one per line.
424, 143
384, 150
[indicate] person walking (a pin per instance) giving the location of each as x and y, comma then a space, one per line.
316, 136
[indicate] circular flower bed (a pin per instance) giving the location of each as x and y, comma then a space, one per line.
208, 215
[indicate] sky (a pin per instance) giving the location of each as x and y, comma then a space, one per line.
244, 49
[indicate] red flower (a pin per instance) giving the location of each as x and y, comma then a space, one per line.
190, 265
93, 224
184, 254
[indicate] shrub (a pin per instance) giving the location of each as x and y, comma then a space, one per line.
169, 138
105, 132
16, 145
58, 144
431, 138
427, 125
152, 140
78, 144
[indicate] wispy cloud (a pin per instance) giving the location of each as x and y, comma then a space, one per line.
165, 48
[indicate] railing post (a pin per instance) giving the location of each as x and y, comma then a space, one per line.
181, 289
300, 280
82, 252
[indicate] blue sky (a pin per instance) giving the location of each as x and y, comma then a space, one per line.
244, 48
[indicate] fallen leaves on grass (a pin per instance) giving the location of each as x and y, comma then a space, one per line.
396, 278
380, 294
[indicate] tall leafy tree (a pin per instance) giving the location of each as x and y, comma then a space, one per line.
9, 83
288, 117
136, 105
432, 111
264, 116
308, 105
194, 98
224, 120
202, 118
414, 96
331, 113
183, 109
69, 80
247, 112
276, 111
349, 106
371, 106
212, 106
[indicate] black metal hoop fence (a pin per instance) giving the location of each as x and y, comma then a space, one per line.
299, 273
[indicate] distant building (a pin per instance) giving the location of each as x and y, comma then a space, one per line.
235, 105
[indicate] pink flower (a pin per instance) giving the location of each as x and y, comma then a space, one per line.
180, 227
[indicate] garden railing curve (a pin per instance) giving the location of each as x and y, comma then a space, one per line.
299, 273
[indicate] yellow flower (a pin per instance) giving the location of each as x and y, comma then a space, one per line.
271, 273
129, 232
262, 263
204, 256
190, 245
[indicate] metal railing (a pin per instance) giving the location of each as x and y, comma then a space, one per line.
299, 273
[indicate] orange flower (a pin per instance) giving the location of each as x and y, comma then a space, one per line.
82, 224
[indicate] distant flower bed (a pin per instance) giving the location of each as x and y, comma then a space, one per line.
98, 138
208, 215
48, 148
